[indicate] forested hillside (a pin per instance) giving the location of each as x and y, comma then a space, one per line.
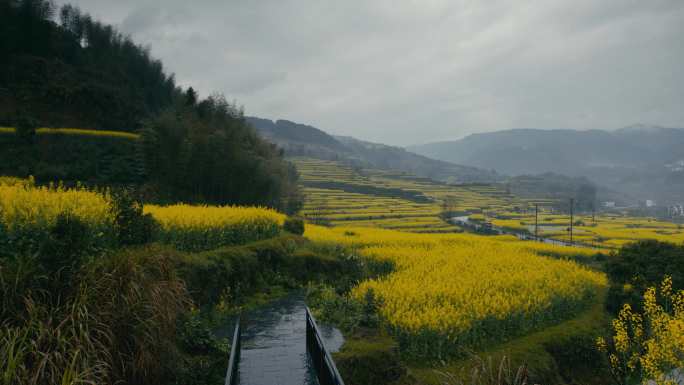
61, 68
298, 140
76, 72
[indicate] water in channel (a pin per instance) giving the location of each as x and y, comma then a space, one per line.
274, 344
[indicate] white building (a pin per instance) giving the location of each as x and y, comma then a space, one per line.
677, 166
676, 210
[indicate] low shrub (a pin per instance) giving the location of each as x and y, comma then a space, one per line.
64, 250
307, 265
342, 310
369, 360
637, 266
576, 353
334, 308
294, 225
132, 225
204, 355
227, 276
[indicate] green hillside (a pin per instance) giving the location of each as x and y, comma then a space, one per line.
62, 68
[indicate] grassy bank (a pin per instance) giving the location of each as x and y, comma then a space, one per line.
561, 354
92, 291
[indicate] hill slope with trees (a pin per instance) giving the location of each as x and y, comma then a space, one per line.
302, 140
62, 68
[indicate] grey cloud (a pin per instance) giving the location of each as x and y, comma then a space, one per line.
418, 71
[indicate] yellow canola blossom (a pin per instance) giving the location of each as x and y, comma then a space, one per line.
451, 291
196, 228
368, 236
23, 206
604, 230
28, 215
649, 344
78, 132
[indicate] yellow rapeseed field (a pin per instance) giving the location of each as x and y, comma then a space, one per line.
603, 230
78, 131
451, 291
197, 228
28, 206
27, 213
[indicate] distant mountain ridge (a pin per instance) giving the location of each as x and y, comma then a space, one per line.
633, 159
291, 133
304, 140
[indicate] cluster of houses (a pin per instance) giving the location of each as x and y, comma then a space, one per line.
670, 211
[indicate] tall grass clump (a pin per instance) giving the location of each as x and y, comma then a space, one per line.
112, 321
197, 228
81, 302
487, 372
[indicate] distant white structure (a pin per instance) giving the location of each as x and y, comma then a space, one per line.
609, 204
677, 166
676, 210
650, 203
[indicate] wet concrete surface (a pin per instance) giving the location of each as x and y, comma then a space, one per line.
274, 344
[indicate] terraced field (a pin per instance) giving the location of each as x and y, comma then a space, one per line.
604, 230
338, 207
338, 194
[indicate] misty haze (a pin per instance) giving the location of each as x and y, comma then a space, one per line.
359, 192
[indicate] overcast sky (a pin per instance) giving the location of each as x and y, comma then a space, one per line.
406, 72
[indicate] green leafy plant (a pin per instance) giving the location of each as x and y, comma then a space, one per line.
132, 225
647, 346
294, 225
204, 355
